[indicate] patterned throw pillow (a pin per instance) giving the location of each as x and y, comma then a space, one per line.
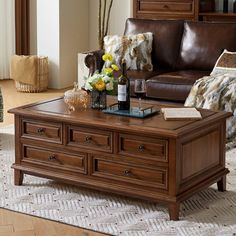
226, 63
135, 49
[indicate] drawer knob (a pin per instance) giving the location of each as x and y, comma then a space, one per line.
41, 131
141, 148
88, 139
165, 6
127, 172
52, 157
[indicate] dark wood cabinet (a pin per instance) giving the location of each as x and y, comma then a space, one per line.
177, 9
217, 16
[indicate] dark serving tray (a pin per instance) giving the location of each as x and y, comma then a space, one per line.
133, 112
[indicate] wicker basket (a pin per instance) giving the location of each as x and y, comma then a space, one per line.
42, 78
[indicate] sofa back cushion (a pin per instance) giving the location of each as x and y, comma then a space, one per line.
167, 35
203, 43
136, 49
226, 63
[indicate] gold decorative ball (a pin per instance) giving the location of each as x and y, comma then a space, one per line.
76, 99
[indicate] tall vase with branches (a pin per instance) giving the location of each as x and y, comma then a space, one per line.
104, 12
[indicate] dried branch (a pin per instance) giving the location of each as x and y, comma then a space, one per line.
108, 17
99, 20
104, 17
103, 20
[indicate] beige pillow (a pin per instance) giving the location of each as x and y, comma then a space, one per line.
226, 63
135, 49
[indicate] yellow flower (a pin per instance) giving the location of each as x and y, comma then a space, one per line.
108, 70
100, 85
107, 57
114, 67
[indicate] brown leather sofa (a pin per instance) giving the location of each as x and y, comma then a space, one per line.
182, 52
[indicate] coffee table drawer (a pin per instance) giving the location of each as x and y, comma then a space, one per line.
155, 178
143, 147
93, 139
55, 160
50, 132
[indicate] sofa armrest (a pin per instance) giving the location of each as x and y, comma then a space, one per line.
94, 61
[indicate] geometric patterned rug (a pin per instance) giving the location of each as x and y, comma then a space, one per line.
207, 213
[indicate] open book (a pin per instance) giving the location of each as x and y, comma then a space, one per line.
185, 113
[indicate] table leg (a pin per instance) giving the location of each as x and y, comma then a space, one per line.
221, 184
18, 177
174, 210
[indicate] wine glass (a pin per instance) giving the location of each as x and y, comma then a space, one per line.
140, 90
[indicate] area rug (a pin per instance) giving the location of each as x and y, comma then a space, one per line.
207, 213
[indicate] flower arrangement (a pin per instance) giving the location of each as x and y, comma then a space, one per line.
103, 81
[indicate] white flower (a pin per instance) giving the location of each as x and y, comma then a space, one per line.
91, 81
88, 86
109, 86
106, 79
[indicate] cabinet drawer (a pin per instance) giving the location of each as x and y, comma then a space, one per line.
55, 160
50, 132
155, 178
143, 147
93, 139
166, 6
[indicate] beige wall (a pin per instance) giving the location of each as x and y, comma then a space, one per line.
62, 32
62, 35
74, 35
48, 37
33, 27
121, 10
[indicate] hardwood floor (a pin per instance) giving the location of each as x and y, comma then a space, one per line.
12, 98
16, 224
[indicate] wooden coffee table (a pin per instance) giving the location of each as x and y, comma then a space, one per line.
152, 159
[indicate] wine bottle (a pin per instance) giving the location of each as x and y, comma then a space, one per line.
123, 89
234, 7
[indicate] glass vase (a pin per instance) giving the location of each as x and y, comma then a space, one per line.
98, 99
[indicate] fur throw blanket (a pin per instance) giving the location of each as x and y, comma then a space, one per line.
217, 92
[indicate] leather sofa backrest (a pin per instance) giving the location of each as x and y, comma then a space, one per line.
167, 35
203, 42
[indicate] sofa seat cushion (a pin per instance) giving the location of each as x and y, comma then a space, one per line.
133, 75
173, 85
137, 74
